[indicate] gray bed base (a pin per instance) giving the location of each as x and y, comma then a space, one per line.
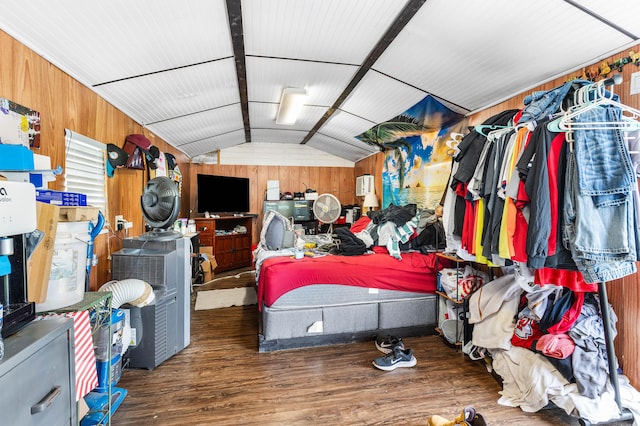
357, 318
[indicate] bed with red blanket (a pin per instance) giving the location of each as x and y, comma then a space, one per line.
339, 299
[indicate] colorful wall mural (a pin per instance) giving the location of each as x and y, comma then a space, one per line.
419, 145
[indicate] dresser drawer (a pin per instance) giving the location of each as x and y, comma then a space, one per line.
40, 389
207, 229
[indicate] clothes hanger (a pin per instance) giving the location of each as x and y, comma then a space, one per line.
485, 129
452, 144
601, 97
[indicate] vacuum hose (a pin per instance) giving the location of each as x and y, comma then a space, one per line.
132, 291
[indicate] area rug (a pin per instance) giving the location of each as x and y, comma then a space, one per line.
224, 298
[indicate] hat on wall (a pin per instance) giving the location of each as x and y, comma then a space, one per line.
116, 158
171, 160
137, 146
152, 156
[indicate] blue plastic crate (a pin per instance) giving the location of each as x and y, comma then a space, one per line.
61, 198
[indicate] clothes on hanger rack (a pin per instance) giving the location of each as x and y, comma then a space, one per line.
563, 202
515, 199
599, 214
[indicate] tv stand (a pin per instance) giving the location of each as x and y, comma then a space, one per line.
231, 249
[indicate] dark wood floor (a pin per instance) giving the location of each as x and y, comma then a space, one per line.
221, 379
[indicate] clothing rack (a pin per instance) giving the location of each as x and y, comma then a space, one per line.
625, 415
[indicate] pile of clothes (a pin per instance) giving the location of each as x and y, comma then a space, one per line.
397, 228
547, 343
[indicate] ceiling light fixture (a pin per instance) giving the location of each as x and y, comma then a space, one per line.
291, 104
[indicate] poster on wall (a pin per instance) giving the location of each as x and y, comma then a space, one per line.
19, 125
419, 145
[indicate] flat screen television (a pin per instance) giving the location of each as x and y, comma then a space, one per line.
222, 194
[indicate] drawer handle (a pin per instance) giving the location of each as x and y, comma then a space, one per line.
47, 401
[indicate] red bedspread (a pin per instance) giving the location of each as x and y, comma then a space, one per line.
415, 272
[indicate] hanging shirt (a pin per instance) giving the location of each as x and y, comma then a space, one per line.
542, 186
507, 227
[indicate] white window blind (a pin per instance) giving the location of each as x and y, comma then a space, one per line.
84, 169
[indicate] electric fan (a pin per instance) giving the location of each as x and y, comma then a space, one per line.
160, 204
327, 209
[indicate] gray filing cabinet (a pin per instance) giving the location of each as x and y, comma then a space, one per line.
37, 375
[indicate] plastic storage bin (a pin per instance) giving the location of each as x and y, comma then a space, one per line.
68, 266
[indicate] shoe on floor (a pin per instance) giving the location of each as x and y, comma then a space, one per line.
468, 417
399, 357
386, 344
440, 421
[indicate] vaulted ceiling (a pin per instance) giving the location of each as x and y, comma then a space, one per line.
205, 75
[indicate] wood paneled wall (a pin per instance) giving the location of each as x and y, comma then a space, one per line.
31, 81
372, 165
339, 181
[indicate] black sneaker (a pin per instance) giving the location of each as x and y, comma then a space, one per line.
400, 357
386, 345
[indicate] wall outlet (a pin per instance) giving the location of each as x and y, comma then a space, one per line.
120, 222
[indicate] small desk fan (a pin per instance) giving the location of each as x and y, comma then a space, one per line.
160, 202
327, 209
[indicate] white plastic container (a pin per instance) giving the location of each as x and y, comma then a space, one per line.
68, 266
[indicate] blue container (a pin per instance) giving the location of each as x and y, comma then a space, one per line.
103, 373
102, 342
17, 158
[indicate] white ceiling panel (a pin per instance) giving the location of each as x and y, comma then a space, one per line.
323, 82
624, 13
481, 61
342, 126
277, 136
378, 98
326, 31
202, 125
263, 116
98, 42
203, 74
212, 144
274, 154
348, 151
175, 93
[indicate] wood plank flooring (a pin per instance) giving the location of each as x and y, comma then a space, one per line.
222, 379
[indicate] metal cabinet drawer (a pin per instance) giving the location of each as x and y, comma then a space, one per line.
40, 389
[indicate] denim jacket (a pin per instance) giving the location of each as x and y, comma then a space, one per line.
543, 103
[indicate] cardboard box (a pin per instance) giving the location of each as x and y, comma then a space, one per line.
39, 264
209, 264
78, 214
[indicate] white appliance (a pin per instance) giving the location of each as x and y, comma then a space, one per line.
364, 185
17, 208
273, 190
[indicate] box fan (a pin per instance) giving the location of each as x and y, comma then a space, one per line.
327, 209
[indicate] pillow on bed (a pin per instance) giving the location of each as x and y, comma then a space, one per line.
278, 232
360, 224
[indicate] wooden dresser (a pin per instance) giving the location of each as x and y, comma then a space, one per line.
232, 249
